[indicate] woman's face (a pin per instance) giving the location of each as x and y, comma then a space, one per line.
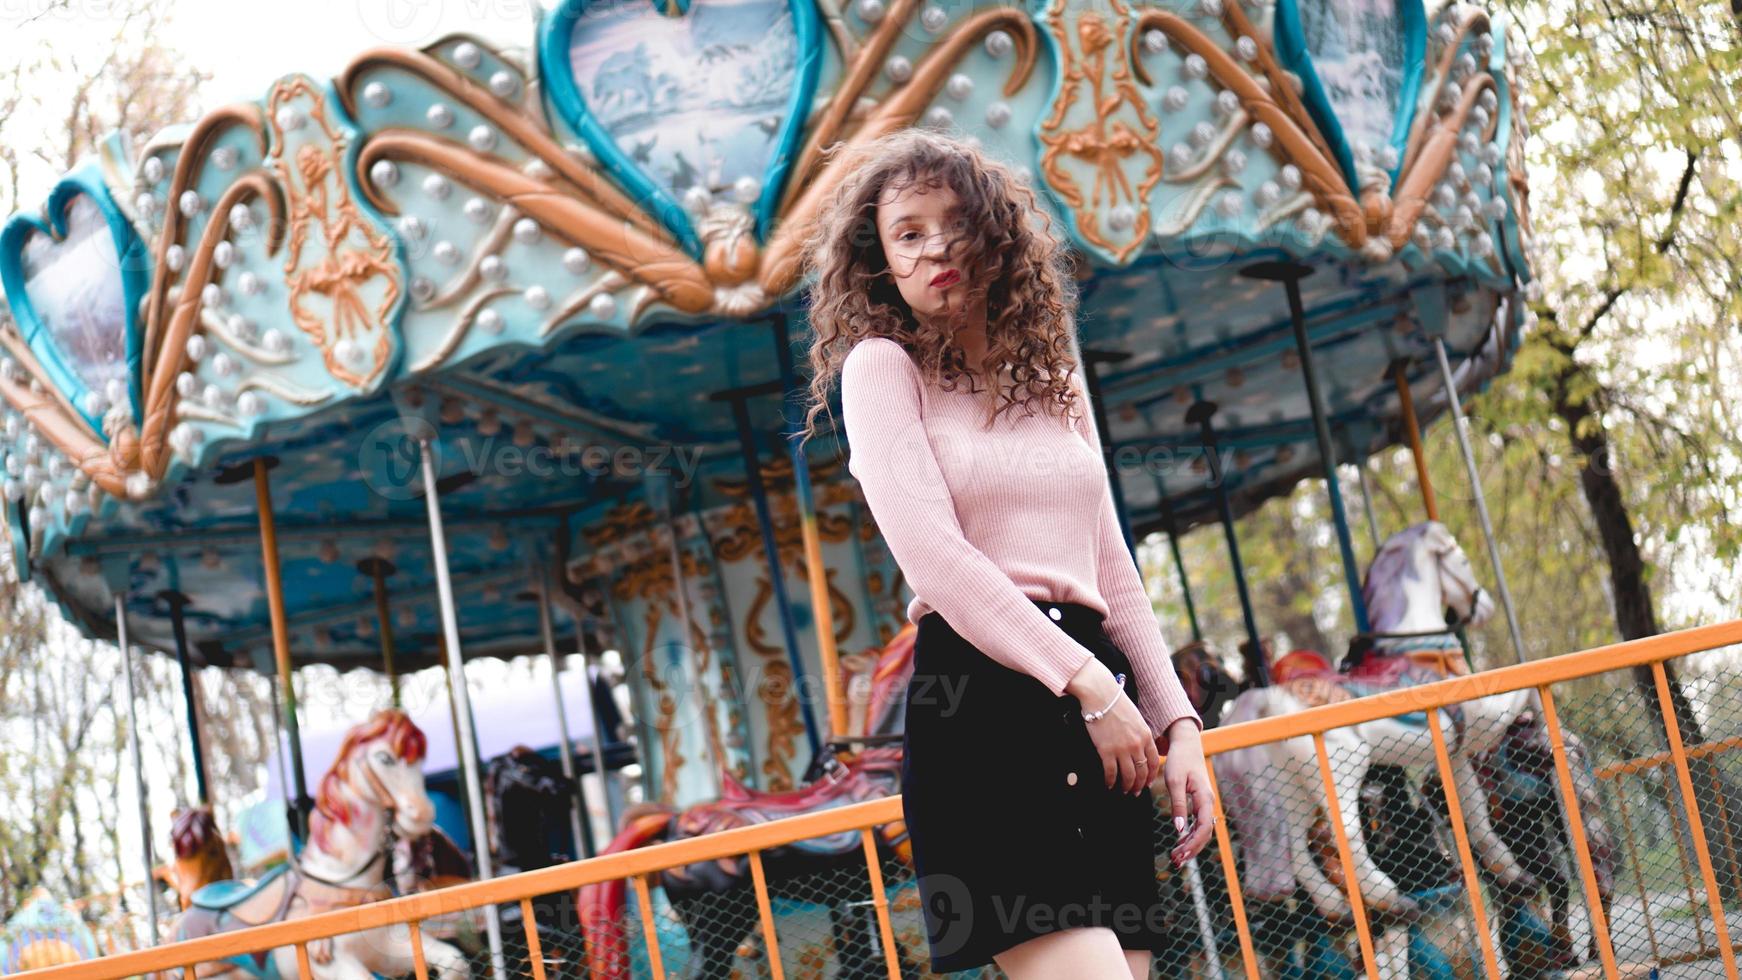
915, 225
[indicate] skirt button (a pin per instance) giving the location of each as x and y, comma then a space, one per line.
1053, 611
1070, 779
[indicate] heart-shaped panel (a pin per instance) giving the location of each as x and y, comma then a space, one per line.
74, 279
686, 102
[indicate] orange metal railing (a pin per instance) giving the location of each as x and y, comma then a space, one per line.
898, 952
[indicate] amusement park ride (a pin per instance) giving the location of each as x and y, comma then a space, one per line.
477, 352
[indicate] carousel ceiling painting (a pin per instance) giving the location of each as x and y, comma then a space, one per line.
593, 244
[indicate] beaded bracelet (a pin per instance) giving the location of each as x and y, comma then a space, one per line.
1118, 679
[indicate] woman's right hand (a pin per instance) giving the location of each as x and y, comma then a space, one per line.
1129, 760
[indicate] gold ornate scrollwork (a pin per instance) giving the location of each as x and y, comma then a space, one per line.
1297, 139
1121, 127
353, 254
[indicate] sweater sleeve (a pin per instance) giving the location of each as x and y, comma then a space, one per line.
1131, 621
892, 458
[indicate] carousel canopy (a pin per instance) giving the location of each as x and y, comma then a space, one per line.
561, 264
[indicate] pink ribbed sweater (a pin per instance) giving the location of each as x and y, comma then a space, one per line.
980, 521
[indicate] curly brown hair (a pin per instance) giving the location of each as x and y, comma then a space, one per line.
1025, 275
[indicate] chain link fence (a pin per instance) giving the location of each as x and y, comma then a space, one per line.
1583, 823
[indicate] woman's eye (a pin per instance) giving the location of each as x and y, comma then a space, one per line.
384, 757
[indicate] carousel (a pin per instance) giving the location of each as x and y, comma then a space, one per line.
481, 352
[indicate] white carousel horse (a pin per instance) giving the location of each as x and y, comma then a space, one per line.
373, 795
1418, 574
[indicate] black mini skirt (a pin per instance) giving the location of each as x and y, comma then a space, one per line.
1013, 832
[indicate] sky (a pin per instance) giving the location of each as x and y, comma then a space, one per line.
246, 45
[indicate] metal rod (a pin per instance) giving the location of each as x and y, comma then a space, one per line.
378, 569
1696, 825
138, 765
776, 577
1236, 901
419, 967
1639, 876
301, 804
1581, 844
1412, 431
1099, 410
1179, 562
1457, 409
880, 903
765, 912
1367, 506
1461, 837
177, 602
1257, 671
534, 950
816, 573
1201, 909
1334, 814
598, 736
577, 812
710, 732
1327, 451
462, 700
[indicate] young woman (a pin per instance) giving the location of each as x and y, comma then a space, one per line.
1043, 694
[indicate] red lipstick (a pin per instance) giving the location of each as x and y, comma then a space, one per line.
948, 277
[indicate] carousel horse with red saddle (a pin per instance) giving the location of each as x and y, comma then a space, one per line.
716, 900
371, 799
1420, 592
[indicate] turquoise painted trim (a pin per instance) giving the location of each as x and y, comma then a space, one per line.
555, 34
20, 544
1289, 41
1511, 241
135, 279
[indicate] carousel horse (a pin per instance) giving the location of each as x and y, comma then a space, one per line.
1524, 803
716, 900
430, 861
1417, 576
528, 798
200, 855
1208, 685
373, 795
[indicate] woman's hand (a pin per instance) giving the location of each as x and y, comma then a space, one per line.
1129, 759
1188, 785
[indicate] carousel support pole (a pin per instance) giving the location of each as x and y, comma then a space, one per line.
281, 640
461, 698
1099, 409
138, 764
682, 593
1457, 409
1179, 562
378, 569
823, 613
177, 603
598, 743
1290, 275
771, 552
1367, 506
1412, 431
577, 808
1257, 671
